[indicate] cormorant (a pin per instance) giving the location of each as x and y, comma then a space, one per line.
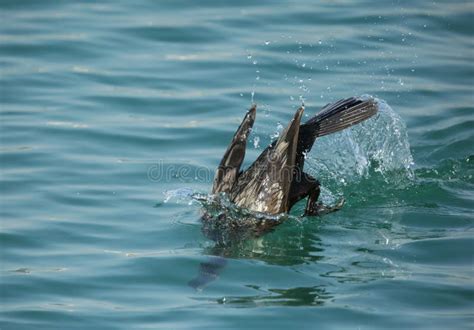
276, 180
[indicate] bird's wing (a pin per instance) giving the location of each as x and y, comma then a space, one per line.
229, 167
265, 185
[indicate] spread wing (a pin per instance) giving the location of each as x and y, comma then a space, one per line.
229, 167
265, 185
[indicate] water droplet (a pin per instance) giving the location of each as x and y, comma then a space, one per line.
256, 142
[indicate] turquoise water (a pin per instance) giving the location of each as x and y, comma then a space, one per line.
114, 112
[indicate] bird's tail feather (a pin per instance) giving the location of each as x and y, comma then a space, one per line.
340, 115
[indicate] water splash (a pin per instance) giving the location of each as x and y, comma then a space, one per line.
379, 145
181, 195
367, 160
278, 129
256, 142
220, 204
226, 223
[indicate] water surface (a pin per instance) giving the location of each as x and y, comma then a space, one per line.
113, 112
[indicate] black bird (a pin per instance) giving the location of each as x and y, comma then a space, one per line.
276, 180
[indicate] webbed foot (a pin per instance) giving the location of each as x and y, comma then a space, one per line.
313, 208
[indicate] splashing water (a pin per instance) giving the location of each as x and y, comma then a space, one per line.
256, 142
378, 145
368, 159
275, 135
181, 195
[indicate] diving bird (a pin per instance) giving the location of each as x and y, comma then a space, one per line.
276, 180
261, 195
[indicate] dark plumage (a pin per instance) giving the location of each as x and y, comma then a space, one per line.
276, 180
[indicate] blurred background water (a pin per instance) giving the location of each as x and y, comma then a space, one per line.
113, 112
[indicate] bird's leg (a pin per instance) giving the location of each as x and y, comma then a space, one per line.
315, 208
312, 202
304, 185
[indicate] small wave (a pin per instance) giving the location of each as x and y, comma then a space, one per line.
449, 170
